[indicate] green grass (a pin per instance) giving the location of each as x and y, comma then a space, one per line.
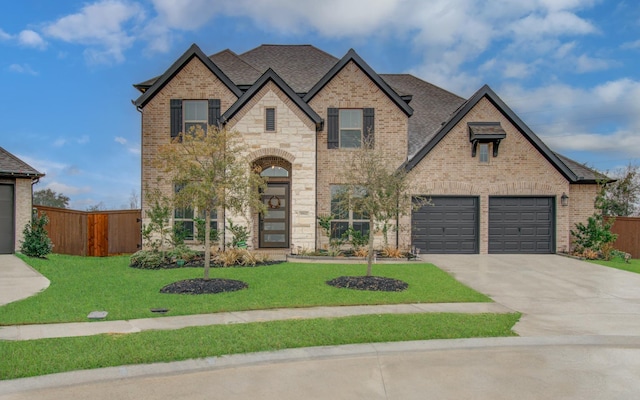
47, 356
632, 266
80, 285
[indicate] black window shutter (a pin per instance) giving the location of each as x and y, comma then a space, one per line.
176, 117
333, 129
368, 118
214, 112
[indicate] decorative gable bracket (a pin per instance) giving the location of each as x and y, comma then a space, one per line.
485, 132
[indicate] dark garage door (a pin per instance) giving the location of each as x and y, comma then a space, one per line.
521, 225
6, 219
450, 225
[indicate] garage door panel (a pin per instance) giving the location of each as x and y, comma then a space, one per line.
521, 224
449, 225
6, 219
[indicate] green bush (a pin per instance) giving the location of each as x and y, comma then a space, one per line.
36, 242
182, 252
147, 259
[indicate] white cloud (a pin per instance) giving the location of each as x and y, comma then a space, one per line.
67, 190
22, 69
30, 38
59, 142
131, 148
584, 63
4, 35
121, 140
627, 45
102, 26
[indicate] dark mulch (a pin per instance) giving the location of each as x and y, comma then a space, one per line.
201, 286
373, 283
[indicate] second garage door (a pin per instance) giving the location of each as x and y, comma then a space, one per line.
6, 219
521, 225
449, 225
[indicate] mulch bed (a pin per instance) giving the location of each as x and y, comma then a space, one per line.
202, 286
373, 283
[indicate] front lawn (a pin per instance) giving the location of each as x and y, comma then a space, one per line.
80, 285
47, 356
632, 266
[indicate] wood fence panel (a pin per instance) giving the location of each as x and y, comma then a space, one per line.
125, 231
628, 230
100, 234
67, 230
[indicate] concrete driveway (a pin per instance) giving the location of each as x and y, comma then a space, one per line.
579, 340
557, 295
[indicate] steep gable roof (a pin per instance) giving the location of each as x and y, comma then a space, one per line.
271, 76
431, 106
301, 66
486, 92
193, 52
237, 69
12, 166
353, 56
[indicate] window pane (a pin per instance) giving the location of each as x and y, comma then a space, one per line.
188, 229
351, 119
275, 172
362, 227
184, 213
192, 127
484, 152
338, 209
350, 138
274, 238
195, 110
338, 229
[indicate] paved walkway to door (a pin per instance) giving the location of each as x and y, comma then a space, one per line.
18, 280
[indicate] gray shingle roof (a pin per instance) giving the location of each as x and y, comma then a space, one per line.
12, 166
238, 70
432, 106
301, 66
584, 173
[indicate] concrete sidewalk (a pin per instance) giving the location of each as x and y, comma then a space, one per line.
30, 332
18, 280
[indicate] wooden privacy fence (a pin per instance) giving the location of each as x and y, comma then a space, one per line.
100, 233
628, 230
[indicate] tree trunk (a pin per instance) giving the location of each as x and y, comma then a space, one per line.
207, 243
370, 253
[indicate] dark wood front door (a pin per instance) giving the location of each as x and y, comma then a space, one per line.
274, 223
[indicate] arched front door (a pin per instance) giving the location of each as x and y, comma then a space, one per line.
274, 224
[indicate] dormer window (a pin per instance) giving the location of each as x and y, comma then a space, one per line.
483, 133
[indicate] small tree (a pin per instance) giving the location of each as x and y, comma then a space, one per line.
596, 235
36, 242
48, 197
376, 189
621, 197
211, 173
156, 233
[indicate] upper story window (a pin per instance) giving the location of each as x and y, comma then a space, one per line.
195, 114
187, 114
483, 153
349, 128
270, 119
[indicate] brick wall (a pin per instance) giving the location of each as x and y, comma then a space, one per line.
519, 169
352, 88
23, 193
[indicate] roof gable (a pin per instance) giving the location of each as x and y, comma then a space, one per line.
193, 52
353, 56
271, 76
12, 166
486, 92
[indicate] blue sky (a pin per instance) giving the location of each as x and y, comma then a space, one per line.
569, 68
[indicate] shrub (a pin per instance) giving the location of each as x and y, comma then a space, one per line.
182, 252
361, 252
240, 234
358, 240
392, 252
147, 259
228, 258
36, 242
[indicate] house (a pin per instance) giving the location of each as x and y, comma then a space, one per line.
16, 191
495, 186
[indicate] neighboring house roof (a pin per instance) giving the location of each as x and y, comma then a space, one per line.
584, 173
271, 76
12, 166
353, 56
193, 51
432, 105
486, 92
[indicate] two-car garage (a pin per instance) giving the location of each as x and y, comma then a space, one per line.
451, 224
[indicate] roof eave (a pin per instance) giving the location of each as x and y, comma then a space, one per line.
193, 51
353, 56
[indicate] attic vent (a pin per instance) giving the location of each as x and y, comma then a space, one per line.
270, 119
485, 132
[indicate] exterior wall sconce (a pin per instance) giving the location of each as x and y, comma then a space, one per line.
564, 199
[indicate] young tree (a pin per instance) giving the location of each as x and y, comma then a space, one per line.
621, 197
210, 173
375, 188
48, 197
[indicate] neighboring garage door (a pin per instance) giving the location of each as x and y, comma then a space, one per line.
6, 219
449, 225
521, 225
